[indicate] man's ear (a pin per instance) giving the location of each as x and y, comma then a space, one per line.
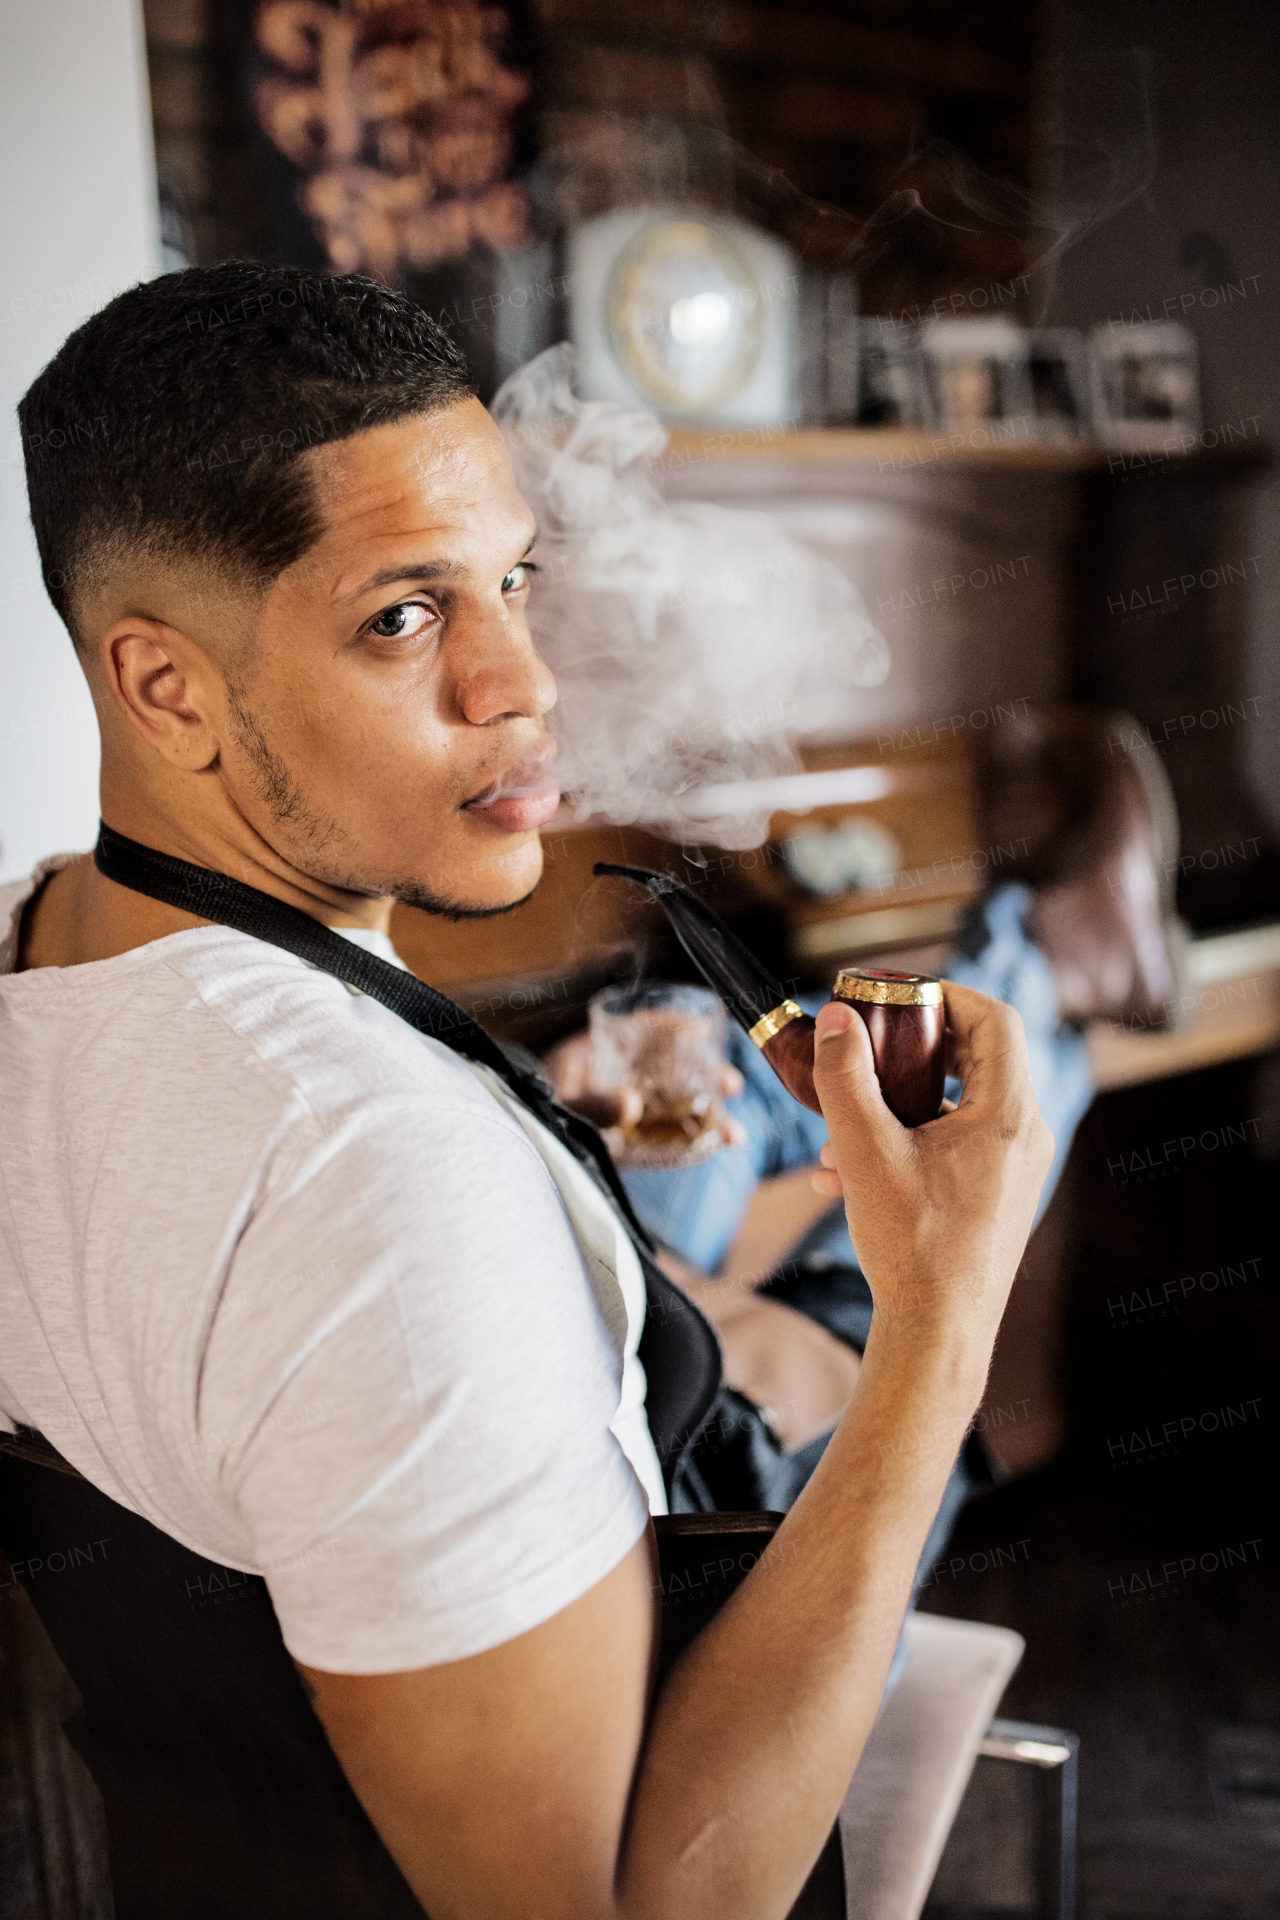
167, 687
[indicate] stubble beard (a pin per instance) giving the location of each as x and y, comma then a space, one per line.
316, 838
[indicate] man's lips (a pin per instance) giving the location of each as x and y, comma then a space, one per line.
520, 799
517, 813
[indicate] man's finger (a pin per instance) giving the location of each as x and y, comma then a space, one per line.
567, 1066
844, 1075
605, 1110
986, 1047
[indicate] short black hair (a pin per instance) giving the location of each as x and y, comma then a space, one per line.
174, 421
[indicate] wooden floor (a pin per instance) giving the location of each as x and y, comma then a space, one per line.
1142, 1569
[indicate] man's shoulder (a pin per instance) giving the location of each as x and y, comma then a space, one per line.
225, 1033
255, 1014
14, 895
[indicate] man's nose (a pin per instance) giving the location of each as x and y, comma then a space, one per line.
502, 677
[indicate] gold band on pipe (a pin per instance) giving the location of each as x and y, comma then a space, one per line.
771, 1023
853, 985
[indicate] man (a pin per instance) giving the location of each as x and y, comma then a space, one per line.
304, 1291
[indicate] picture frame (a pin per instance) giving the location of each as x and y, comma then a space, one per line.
891, 390
976, 375
1058, 383
830, 347
1145, 383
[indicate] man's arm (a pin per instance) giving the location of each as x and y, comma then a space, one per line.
537, 1779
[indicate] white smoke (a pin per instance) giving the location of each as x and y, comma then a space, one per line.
692, 644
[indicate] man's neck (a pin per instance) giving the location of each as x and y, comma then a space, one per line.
79, 916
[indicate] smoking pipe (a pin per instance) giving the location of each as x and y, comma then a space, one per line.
903, 1012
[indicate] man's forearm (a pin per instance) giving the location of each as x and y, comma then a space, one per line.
759, 1727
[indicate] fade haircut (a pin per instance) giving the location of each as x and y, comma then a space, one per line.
172, 425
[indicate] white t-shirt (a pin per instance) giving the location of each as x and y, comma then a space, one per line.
300, 1286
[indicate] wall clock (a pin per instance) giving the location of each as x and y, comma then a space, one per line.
692, 314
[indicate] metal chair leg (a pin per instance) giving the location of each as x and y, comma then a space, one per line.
1054, 1752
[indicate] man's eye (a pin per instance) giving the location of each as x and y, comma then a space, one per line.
518, 578
400, 623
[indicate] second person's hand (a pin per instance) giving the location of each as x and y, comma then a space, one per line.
568, 1068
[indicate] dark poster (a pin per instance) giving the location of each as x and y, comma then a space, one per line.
392, 140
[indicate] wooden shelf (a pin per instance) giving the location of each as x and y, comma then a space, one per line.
1233, 985
826, 944
1000, 445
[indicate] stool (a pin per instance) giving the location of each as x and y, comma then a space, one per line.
916, 1764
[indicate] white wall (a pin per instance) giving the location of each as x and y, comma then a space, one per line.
78, 222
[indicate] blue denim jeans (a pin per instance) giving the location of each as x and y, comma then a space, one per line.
697, 1211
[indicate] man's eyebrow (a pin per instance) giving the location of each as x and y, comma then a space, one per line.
420, 570
428, 570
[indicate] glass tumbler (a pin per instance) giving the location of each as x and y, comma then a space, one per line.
667, 1043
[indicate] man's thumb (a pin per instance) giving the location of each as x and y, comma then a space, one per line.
844, 1072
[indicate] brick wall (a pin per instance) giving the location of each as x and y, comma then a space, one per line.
813, 118
851, 104
204, 138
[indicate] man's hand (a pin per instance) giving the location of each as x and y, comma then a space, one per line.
940, 1214
540, 1778
568, 1068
